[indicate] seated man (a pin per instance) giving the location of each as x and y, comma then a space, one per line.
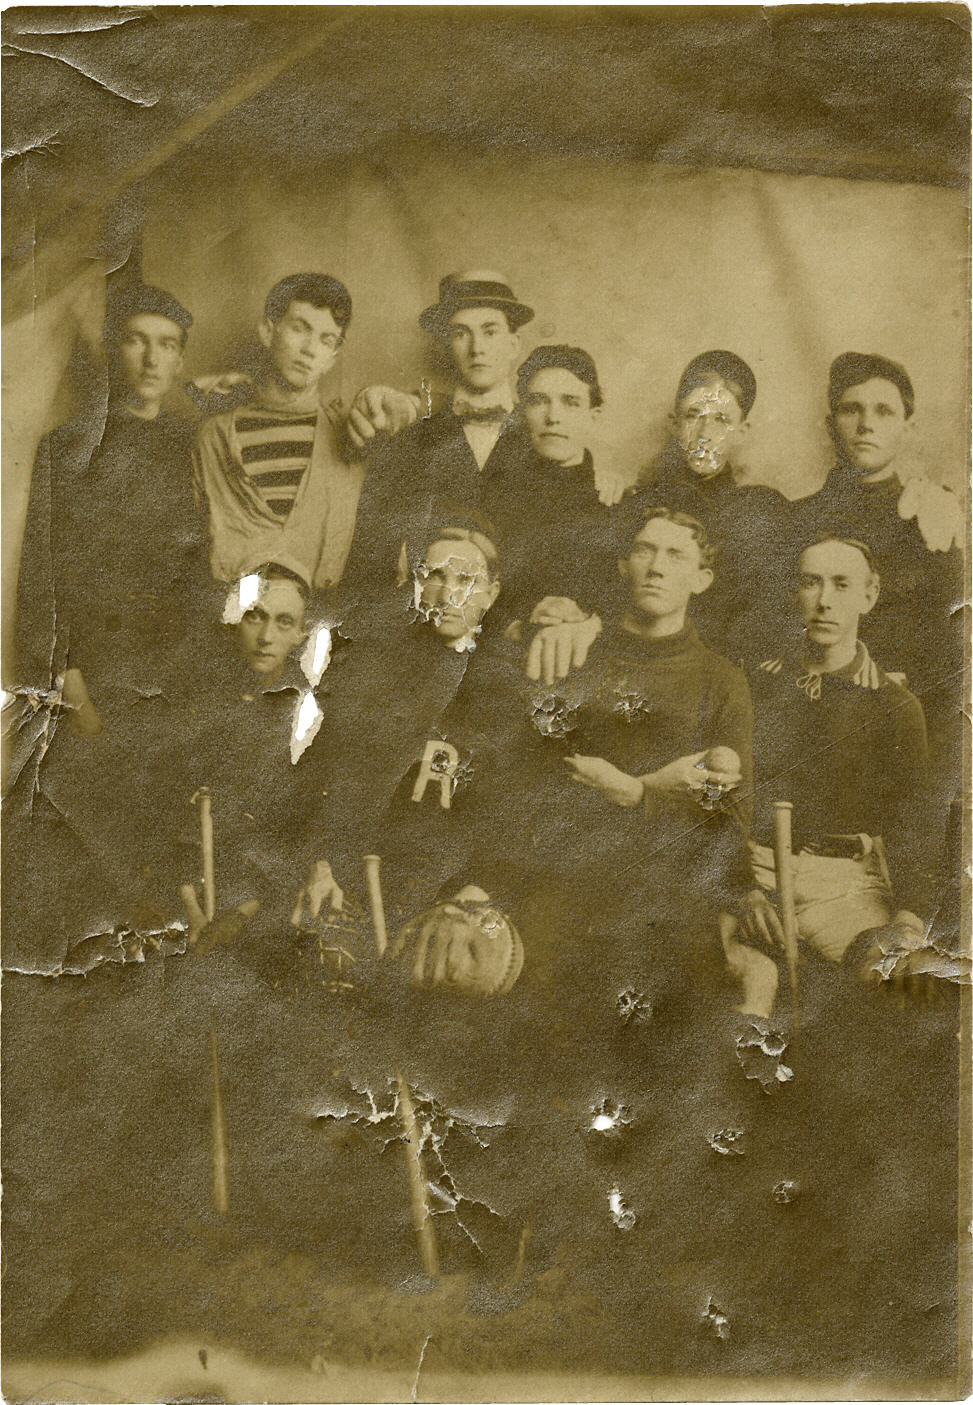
697, 474
395, 782
659, 724
277, 478
846, 744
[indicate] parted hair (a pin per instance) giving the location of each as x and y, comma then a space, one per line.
707, 548
317, 289
853, 542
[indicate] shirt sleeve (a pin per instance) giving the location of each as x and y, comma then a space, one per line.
912, 838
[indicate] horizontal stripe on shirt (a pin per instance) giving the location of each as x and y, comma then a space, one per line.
275, 452
262, 451
250, 423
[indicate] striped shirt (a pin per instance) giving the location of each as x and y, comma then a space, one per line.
275, 451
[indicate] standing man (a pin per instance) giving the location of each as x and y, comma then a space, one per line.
552, 495
696, 474
113, 558
278, 478
455, 459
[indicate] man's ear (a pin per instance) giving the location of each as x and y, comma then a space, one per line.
623, 570
493, 592
265, 331
832, 432
743, 429
704, 579
872, 587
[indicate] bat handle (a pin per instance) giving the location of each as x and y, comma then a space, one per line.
372, 862
209, 861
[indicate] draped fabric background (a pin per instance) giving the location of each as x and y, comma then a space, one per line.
225, 149
643, 264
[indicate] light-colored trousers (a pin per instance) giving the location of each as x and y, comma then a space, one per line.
835, 898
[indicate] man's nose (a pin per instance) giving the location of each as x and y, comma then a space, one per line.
150, 355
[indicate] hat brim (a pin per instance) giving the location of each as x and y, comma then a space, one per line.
435, 318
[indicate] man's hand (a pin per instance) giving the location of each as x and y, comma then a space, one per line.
221, 383
557, 609
225, 927
900, 963
379, 409
610, 486
697, 774
83, 718
759, 919
466, 945
557, 648
620, 788
319, 887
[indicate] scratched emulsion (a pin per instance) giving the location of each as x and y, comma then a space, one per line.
483, 702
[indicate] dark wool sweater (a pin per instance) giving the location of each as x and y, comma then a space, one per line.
641, 704
750, 525
555, 536
848, 749
113, 573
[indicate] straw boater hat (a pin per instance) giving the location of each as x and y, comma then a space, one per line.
477, 288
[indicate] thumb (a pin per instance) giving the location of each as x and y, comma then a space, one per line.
248, 908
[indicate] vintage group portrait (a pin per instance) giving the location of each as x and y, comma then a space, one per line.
485, 618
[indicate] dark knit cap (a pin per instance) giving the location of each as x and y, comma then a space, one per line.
730, 368
129, 302
566, 358
857, 367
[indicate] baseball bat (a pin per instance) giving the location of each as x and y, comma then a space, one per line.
372, 862
418, 1199
209, 862
784, 864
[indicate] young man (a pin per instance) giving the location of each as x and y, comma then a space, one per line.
913, 528
456, 458
846, 744
276, 478
113, 559
551, 495
661, 722
696, 474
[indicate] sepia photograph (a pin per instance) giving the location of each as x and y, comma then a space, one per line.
486, 758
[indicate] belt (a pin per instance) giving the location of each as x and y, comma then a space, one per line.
840, 846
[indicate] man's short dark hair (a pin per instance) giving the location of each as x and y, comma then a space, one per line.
856, 367
740, 380
564, 358
142, 298
318, 289
274, 571
707, 548
853, 542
